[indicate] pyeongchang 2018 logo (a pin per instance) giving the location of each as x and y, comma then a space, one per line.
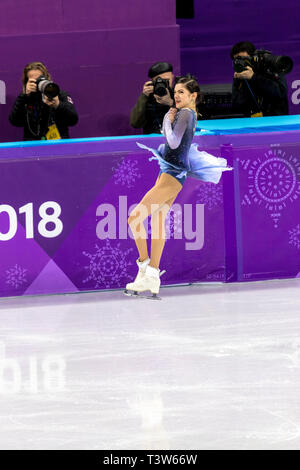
2, 92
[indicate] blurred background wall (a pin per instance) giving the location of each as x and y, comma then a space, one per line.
100, 50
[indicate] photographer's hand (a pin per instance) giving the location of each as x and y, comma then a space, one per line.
245, 75
54, 103
30, 86
148, 88
166, 99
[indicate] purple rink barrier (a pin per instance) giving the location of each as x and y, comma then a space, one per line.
64, 218
64, 208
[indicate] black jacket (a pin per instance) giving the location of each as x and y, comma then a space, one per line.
271, 95
30, 112
148, 114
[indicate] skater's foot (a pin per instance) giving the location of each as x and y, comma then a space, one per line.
142, 265
150, 281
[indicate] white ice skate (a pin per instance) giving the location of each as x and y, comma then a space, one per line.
149, 281
142, 265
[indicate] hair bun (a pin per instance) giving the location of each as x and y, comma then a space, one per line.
191, 77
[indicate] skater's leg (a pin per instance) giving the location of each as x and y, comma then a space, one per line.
158, 232
149, 280
135, 221
166, 188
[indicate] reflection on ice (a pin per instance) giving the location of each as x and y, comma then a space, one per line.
211, 367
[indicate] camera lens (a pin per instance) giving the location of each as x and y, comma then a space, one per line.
284, 64
51, 90
275, 63
160, 91
160, 87
48, 88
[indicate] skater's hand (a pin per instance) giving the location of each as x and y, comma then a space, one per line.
172, 114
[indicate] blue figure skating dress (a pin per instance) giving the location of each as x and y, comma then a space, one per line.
179, 157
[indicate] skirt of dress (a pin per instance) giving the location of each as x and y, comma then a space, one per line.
202, 165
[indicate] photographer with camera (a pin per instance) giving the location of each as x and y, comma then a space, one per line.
42, 109
259, 86
155, 100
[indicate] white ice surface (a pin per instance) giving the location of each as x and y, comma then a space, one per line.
208, 367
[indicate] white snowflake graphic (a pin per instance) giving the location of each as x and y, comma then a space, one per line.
210, 194
16, 276
273, 181
107, 266
173, 224
127, 173
295, 237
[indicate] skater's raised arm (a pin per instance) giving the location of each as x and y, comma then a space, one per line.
184, 119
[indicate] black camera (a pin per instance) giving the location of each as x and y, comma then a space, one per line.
47, 88
264, 62
240, 63
161, 86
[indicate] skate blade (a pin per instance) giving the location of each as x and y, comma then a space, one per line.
138, 295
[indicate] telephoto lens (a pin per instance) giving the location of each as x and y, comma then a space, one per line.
47, 88
274, 63
279, 63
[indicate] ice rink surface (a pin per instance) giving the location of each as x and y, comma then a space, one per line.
208, 367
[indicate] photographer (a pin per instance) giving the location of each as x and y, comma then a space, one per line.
42, 109
155, 100
259, 85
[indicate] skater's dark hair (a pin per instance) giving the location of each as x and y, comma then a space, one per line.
191, 84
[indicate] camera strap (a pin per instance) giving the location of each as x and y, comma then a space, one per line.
156, 118
34, 112
259, 112
50, 131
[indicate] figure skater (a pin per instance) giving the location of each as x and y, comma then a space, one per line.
177, 159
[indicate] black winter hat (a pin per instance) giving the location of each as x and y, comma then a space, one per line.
159, 68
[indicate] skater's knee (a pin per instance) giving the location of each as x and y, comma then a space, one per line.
133, 219
138, 215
